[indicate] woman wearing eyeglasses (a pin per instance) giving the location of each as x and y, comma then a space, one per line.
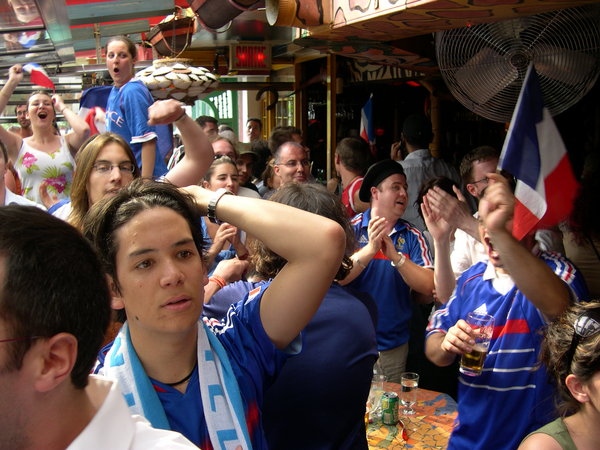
571, 352
106, 163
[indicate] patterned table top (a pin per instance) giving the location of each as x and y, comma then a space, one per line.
429, 428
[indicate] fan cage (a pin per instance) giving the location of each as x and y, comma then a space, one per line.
484, 65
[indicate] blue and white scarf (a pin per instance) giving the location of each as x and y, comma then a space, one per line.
221, 398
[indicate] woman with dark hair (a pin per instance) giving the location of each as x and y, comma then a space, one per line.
203, 379
340, 339
127, 107
571, 353
45, 161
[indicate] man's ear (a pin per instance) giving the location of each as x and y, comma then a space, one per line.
577, 388
276, 169
55, 359
472, 190
115, 293
374, 193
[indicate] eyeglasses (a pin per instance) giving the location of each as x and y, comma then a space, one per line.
19, 339
105, 167
292, 164
585, 326
485, 180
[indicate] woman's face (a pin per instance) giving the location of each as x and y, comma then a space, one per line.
119, 62
103, 183
40, 110
224, 176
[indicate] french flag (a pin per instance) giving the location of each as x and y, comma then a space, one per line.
367, 129
38, 75
535, 154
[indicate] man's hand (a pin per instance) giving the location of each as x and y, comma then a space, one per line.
459, 339
497, 206
16, 73
377, 230
453, 210
436, 224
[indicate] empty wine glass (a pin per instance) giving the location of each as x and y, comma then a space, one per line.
408, 394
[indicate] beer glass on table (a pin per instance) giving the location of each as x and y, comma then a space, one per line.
409, 382
483, 325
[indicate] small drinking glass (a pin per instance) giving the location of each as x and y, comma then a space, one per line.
409, 382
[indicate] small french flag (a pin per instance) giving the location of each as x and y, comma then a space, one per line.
38, 75
535, 154
367, 127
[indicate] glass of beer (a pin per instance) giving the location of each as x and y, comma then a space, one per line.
483, 326
409, 382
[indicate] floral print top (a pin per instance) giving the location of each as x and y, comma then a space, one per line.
56, 169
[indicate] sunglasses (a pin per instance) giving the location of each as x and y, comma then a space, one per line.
586, 325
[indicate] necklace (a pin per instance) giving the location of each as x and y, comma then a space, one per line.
183, 380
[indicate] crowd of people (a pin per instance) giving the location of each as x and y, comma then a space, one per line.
241, 304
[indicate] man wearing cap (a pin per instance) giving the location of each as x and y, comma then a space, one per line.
393, 259
419, 166
245, 165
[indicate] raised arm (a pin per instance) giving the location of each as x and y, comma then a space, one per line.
532, 276
312, 245
199, 154
441, 231
10, 140
80, 130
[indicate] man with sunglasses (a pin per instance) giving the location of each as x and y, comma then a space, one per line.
52, 324
523, 291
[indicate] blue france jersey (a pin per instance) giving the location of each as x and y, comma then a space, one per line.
127, 116
512, 396
384, 283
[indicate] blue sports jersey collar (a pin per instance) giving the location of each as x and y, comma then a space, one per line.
366, 217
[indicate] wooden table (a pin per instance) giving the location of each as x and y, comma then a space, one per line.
429, 428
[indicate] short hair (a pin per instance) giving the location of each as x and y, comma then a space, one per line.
84, 163
217, 162
481, 153
354, 154
19, 105
53, 283
281, 135
131, 47
223, 138
255, 119
203, 120
108, 215
40, 92
555, 354
4, 151
314, 198
279, 150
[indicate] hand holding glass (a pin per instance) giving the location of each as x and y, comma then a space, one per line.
408, 395
483, 326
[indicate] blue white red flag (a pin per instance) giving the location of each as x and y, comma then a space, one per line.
367, 128
38, 75
535, 154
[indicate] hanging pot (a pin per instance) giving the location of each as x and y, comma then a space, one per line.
174, 33
176, 78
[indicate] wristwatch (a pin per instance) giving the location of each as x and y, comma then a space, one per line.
212, 205
400, 262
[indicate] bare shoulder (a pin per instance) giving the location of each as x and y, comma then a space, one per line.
538, 441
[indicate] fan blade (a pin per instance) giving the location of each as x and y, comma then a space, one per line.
564, 65
484, 75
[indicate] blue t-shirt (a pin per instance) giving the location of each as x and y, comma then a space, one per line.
127, 116
385, 284
513, 395
318, 399
255, 362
